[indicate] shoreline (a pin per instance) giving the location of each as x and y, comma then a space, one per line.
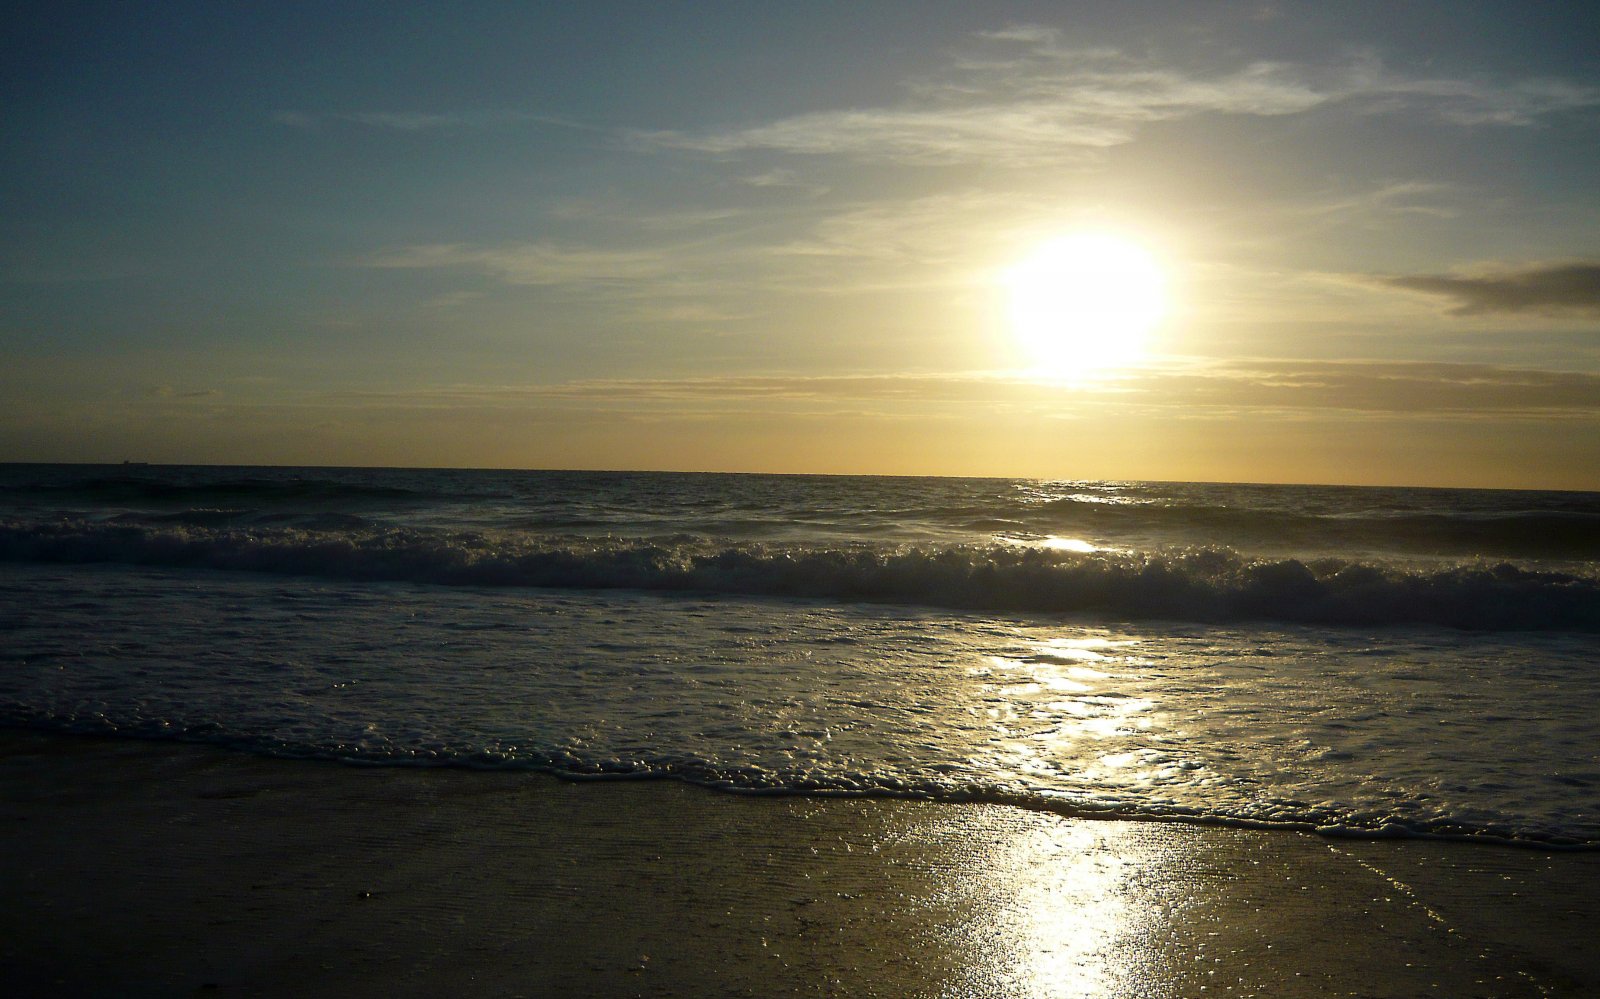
153, 868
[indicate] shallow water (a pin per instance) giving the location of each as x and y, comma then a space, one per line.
970, 639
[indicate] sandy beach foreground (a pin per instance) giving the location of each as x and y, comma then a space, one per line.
162, 869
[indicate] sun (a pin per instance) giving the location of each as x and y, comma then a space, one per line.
1085, 302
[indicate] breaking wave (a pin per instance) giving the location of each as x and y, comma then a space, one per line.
1205, 584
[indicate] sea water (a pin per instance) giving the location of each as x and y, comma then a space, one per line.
1356, 661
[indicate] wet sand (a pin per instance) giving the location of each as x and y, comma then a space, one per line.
160, 869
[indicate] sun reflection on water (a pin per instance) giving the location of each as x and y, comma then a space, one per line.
1068, 545
1060, 666
1076, 719
1075, 907
1079, 906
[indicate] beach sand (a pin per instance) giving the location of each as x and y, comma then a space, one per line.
135, 868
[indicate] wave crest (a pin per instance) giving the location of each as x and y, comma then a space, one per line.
1202, 585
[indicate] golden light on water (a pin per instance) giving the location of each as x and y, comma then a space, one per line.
1084, 303
1074, 932
1083, 900
1078, 545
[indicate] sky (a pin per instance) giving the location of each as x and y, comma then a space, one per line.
777, 237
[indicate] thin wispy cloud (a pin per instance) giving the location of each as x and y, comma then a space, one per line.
665, 283
1401, 387
1052, 104
422, 121
1567, 287
919, 242
168, 392
784, 179
1412, 197
529, 263
1017, 134
933, 229
1474, 103
1465, 391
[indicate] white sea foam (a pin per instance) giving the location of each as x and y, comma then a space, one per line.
741, 634
1200, 585
1418, 730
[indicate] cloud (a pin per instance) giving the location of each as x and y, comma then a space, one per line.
861, 247
1524, 103
1393, 198
781, 178
937, 228
1080, 104
420, 121
658, 311
1386, 387
530, 263
168, 392
1031, 101
1018, 134
660, 282
1266, 386
1023, 97
1030, 33
1568, 287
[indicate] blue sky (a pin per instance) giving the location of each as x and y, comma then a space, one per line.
771, 237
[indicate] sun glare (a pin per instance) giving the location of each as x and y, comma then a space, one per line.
1086, 302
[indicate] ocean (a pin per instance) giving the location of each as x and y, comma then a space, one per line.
1352, 661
